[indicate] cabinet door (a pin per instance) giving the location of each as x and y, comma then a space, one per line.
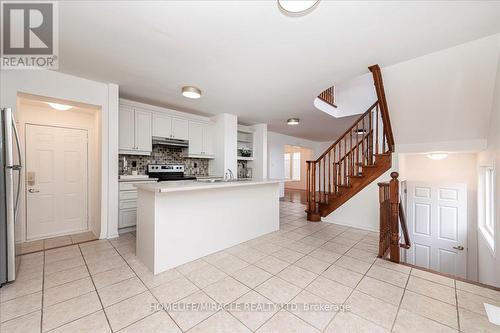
143, 132
127, 218
180, 129
195, 138
162, 126
208, 140
126, 128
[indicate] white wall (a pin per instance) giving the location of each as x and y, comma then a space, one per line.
30, 113
276, 149
362, 210
352, 97
225, 145
489, 263
456, 168
71, 88
443, 97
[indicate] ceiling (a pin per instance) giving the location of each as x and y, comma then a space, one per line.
251, 60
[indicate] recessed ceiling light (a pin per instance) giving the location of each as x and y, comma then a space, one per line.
297, 6
60, 107
437, 156
293, 121
191, 92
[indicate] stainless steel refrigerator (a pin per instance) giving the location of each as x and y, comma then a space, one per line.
10, 182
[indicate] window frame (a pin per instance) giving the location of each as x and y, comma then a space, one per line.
486, 205
293, 160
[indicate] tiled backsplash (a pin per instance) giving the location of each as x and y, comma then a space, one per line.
165, 155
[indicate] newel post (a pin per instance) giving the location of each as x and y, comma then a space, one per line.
394, 218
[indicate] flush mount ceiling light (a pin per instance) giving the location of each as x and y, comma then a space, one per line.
360, 131
60, 107
297, 7
437, 156
191, 92
293, 121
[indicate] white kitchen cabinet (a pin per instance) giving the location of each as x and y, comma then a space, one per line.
180, 129
201, 140
162, 126
127, 128
170, 127
135, 131
127, 204
208, 140
143, 132
195, 138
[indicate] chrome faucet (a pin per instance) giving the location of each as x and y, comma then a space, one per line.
229, 175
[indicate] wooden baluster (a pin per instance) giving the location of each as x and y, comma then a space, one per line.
357, 147
308, 190
324, 180
376, 129
370, 140
330, 174
314, 188
363, 144
351, 171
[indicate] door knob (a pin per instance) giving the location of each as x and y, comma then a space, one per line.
459, 248
33, 191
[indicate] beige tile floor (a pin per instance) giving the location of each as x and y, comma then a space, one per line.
54, 242
307, 277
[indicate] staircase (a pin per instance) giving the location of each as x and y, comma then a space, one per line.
354, 160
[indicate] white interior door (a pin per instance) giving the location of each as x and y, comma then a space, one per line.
56, 166
437, 223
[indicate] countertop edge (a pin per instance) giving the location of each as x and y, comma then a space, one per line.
204, 186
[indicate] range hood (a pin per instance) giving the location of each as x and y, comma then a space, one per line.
170, 142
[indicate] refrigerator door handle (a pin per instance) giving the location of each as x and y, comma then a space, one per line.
17, 167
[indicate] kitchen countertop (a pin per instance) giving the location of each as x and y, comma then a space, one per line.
138, 179
192, 185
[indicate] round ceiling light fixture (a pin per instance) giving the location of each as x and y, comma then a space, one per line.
293, 121
297, 7
60, 107
191, 92
437, 156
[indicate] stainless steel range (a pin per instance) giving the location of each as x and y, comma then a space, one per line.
167, 172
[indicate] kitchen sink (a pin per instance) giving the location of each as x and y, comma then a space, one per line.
221, 180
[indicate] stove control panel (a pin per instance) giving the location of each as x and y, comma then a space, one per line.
161, 168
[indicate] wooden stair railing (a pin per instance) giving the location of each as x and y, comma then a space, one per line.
355, 159
328, 96
391, 216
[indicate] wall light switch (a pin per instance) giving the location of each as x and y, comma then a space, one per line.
31, 179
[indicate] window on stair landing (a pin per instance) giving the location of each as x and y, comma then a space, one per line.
292, 166
486, 196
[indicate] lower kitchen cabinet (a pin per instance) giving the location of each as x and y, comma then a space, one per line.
127, 216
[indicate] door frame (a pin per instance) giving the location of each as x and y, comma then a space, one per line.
433, 184
89, 202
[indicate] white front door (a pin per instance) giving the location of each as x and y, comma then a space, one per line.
437, 224
56, 187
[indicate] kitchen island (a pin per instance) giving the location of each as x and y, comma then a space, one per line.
178, 222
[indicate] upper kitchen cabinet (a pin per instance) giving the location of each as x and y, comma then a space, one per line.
135, 131
201, 140
170, 127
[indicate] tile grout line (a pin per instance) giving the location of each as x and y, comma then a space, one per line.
401, 301
353, 289
147, 288
95, 288
43, 292
456, 300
